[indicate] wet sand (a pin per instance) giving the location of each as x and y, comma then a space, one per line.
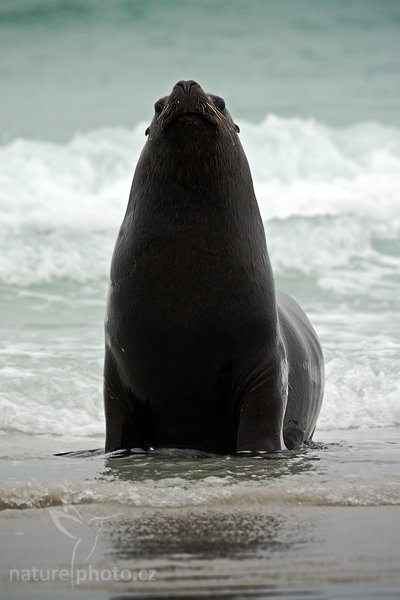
274, 552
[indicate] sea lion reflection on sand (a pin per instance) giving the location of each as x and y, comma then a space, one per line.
201, 351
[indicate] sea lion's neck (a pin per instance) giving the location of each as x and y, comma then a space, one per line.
210, 179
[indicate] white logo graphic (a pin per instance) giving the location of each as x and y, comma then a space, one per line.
70, 522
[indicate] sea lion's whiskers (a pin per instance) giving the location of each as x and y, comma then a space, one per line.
220, 117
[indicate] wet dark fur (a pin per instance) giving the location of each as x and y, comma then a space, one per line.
201, 352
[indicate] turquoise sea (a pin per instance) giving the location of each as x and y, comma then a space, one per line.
315, 88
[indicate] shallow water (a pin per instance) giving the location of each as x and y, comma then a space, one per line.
321, 522
364, 472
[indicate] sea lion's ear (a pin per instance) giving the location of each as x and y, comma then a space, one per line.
147, 131
237, 128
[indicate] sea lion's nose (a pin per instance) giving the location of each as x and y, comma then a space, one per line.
187, 85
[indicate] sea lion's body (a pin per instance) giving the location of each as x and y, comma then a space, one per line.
199, 353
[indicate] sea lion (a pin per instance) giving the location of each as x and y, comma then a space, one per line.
200, 350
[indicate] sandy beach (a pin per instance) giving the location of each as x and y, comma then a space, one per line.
271, 552
320, 524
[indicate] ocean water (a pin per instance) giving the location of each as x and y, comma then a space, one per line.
330, 202
315, 88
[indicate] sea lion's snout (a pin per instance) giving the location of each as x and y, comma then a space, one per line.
187, 86
189, 104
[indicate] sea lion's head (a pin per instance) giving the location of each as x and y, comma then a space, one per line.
192, 133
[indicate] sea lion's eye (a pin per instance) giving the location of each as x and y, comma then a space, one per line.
219, 103
159, 105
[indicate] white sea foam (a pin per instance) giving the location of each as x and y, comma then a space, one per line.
360, 393
81, 185
56, 392
306, 168
210, 492
299, 168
